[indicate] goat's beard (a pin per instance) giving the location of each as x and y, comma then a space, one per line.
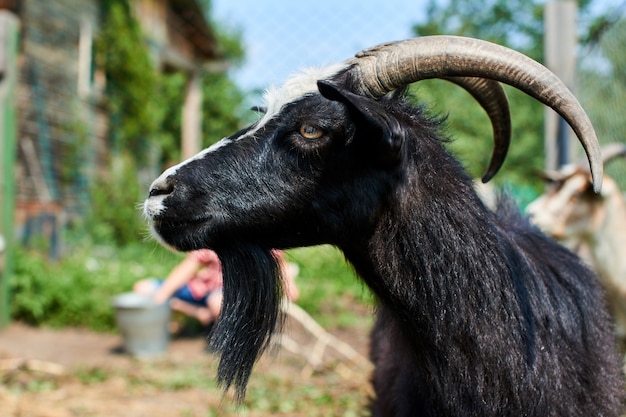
250, 312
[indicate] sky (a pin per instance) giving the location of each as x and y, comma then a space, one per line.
283, 36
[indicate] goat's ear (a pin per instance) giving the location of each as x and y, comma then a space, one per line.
373, 122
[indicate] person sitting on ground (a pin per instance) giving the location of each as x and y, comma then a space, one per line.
194, 287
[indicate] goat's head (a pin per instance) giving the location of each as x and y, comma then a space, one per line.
316, 139
322, 162
569, 210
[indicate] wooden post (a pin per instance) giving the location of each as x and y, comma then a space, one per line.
192, 116
560, 57
85, 47
9, 25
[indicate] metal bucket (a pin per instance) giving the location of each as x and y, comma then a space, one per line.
143, 324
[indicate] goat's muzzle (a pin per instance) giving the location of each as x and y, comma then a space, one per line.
161, 188
159, 191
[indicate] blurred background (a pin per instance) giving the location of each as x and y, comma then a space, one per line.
101, 96
97, 97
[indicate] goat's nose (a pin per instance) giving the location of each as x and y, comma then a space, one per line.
164, 187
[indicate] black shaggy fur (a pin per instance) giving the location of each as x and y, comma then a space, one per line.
249, 313
551, 337
479, 314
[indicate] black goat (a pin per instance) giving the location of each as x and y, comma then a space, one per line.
478, 313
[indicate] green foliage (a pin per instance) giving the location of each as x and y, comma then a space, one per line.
145, 105
145, 109
136, 101
222, 101
229, 43
514, 23
517, 24
222, 108
165, 143
74, 151
115, 216
470, 128
91, 376
274, 395
602, 89
78, 290
326, 281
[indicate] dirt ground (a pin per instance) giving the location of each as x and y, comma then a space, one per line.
74, 372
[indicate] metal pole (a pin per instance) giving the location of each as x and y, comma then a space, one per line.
9, 25
560, 57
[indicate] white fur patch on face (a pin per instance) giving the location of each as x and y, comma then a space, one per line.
295, 87
172, 170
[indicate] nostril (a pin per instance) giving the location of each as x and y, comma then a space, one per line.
164, 188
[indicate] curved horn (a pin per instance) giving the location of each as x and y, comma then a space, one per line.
555, 176
492, 98
376, 71
609, 152
612, 151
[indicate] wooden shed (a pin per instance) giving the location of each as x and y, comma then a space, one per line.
59, 98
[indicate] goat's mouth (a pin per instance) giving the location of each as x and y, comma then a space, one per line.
180, 234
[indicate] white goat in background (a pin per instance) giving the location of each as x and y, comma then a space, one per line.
593, 225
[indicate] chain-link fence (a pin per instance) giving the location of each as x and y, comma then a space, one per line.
281, 37
604, 96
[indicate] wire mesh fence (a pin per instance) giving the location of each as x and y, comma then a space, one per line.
281, 37
603, 96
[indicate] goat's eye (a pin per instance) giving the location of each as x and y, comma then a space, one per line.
311, 132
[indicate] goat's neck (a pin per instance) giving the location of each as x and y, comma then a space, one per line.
429, 255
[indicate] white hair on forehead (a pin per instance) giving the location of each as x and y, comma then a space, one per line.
295, 87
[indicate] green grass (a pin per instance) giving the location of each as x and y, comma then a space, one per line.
77, 290
326, 283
